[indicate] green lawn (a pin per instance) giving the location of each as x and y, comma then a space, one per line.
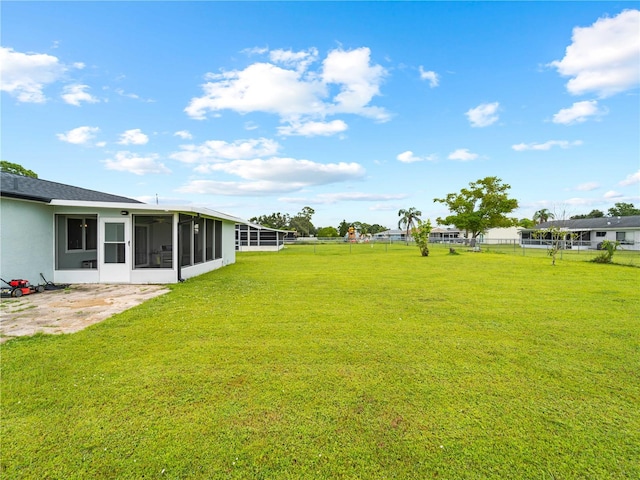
342, 362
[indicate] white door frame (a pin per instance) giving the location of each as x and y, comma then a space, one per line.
114, 267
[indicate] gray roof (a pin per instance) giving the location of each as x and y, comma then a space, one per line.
28, 188
632, 221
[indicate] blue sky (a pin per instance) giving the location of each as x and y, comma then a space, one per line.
356, 109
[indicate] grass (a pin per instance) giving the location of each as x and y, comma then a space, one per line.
350, 362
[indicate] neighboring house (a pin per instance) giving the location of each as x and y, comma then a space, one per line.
75, 235
251, 237
588, 233
510, 235
445, 235
392, 235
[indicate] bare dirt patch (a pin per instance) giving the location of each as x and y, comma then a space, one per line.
71, 309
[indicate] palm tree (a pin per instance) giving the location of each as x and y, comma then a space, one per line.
542, 215
408, 219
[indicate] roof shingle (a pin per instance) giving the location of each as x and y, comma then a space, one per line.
28, 188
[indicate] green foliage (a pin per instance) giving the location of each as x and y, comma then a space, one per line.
558, 238
301, 222
274, 220
543, 215
420, 235
343, 228
609, 248
327, 232
408, 219
17, 169
526, 223
591, 214
298, 366
622, 209
482, 206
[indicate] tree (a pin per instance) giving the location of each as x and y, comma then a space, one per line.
343, 228
275, 220
408, 219
301, 222
420, 235
482, 206
609, 248
591, 214
542, 215
327, 232
376, 228
526, 223
557, 237
622, 209
17, 169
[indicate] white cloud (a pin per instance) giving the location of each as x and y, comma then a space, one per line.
75, 94
184, 134
462, 154
612, 194
331, 198
578, 112
133, 137
546, 145
291, 90
603, 58
212, 187
631, 179
25, 75
409, 157
79, 136
292, 171
215, 151
133, 163
483, 115
359, 82
312, 129
298, 60
588, 187
274, 175
433, 77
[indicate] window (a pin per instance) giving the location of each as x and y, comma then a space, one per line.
82, 234
601, 234
621, 236
114, 251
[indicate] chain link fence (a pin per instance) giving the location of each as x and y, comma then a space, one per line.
626, 254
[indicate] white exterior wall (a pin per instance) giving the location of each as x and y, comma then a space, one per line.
494, 235
26, 235
228, 243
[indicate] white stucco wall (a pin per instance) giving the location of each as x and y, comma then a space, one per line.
26, 247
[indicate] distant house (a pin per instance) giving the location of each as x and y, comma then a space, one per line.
75, 235
509, 235
393, 235
251, 237
587, 233
445, 235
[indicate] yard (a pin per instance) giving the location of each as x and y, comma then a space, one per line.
342, 361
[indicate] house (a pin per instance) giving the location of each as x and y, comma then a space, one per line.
251, 237
587, 233
500, 235
74, 235
393, 235
445, 235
